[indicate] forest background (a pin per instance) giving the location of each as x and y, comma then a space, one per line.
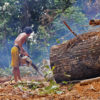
46, 18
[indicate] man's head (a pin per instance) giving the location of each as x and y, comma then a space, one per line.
28, 30
92, 22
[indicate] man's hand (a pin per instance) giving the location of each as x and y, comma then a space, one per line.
27, 60
26, 54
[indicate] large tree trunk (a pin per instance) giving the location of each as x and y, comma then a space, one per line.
78, 58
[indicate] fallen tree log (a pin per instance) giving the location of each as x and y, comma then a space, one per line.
78, 58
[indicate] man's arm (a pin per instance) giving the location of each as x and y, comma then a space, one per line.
24, 52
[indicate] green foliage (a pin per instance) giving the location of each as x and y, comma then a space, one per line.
43, 34
33, 86
48, 73
51, 89
53, 68
63, 4
8, 70
47, 66
8, 9
5, 72
64, 82
58, 41
70, 87
41, 88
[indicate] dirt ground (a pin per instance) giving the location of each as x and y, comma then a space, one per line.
75, 92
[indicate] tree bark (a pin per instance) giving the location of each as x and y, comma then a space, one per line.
78, 58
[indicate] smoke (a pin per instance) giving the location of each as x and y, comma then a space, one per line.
5, 54
91, 8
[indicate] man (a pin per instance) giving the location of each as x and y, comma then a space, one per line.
18, 49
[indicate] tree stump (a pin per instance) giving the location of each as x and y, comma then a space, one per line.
77, 58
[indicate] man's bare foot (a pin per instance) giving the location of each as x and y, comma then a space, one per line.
19, 81
13, 82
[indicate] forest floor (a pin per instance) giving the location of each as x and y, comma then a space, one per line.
11, 91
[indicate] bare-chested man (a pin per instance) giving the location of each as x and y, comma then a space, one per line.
18, 49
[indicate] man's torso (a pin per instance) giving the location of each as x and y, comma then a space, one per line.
20, 40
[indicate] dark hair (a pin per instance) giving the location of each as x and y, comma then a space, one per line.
28, 30
92, 20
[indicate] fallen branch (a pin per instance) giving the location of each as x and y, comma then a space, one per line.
88, 81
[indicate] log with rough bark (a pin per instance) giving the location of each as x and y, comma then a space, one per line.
77, 59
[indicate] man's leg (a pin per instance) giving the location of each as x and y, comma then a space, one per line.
15, 62
15, 73
18, 74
